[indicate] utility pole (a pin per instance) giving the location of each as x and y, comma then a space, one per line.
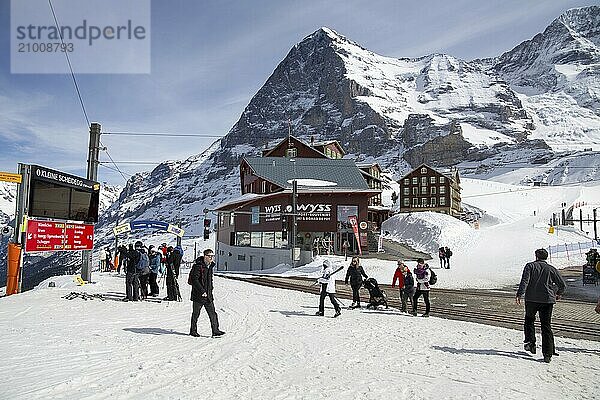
92, 174
294, 220
595, 228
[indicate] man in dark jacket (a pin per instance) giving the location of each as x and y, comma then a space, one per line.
537, 286
201, 279
131, 279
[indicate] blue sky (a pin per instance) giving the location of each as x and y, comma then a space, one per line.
208, 58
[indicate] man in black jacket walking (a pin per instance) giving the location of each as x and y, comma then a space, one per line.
201, 279
537, 286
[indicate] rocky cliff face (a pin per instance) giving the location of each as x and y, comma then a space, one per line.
400, 112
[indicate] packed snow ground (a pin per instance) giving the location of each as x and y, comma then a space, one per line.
274, 348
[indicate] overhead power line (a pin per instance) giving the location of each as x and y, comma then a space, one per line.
69, 63
165, 134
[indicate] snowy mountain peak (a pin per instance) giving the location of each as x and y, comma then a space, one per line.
583, 22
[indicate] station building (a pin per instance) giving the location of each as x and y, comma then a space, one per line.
254, 231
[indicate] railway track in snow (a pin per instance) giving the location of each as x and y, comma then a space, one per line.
571, 318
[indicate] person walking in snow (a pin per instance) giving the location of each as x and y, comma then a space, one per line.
422, 275
327, 281
442, 255
448, 254
537, 285
354, 274
406, 284
154, 257
201, 279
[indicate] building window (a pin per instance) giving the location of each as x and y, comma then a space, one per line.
255, 219
423, 170
406, 201
442, 201
432, 179
423, 201
327, 152
442, 179
433, 202
433, 190
423, 180
242, 238
442, 189
268, 240
406, 181
241, 257
423, 189
406, 191
264, 186
231, 219
255, 239
291, 153
414, 180
415, 190
415, 202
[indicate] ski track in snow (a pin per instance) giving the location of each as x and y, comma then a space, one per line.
274, 348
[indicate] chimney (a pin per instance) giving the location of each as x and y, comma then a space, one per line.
312, 140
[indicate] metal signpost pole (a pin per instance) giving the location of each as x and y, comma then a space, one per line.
294, 220
21, 210
92, 174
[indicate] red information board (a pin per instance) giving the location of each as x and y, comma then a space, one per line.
58, 236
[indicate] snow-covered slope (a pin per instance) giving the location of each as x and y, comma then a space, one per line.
274, 348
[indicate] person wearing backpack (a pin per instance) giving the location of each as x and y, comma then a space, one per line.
422, 274
154, 257
143, 270
448, 254
132, 283
201, 279
177, 257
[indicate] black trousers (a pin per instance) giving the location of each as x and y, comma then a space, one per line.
545, 310
143, 285
132, 286
212, 315
355, 293
153, 285
331, 298
425, 294
406, 294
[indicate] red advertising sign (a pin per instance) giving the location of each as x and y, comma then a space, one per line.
353, 220
79, 237
58, 236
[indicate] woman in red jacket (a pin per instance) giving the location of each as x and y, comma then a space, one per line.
405, 283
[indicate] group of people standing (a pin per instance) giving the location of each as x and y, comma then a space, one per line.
445, 253
410, 289
143, 265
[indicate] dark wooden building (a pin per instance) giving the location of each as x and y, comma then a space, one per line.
255, 230
426, 189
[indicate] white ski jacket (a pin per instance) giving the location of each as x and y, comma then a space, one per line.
329, 279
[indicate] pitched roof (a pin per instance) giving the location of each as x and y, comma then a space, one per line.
340, 174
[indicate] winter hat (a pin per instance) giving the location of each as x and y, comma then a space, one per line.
327, 263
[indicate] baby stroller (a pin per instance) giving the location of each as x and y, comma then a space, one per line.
377, 296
